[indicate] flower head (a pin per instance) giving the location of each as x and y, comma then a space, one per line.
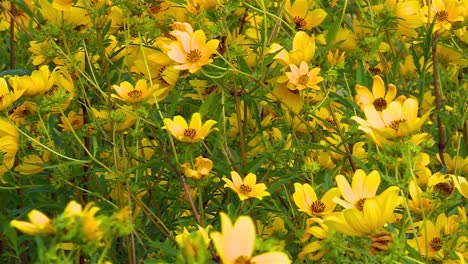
191, 50
193, 132
301, 78
7, 97
39, 224
140, 93
363, 186
379, 98
236, 242
307, 201
445, 13
202, 169
303, 18
247, 188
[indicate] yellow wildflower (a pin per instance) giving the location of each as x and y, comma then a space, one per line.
301, 78
191, 51
202, 170
247, 188
305, 198
445, 13
236, 243
140, 93
378, 97
39, 224
300, 14
193, 133
363, 186
461, 184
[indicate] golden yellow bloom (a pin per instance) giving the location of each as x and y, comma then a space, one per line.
73, 121
407, 14
363, 186
461, 184
292, 99
445, 13
418, 203
63, 5
429, 241
379, 98
303, 49
193, 133
456, 165
74, 210
202, 170
120, 119
373, 215
247, 188
9, 145
191, 51
305, 198
7, 97
236, 243
191, 242
301, 78
396, 121
300, 14
140, 93
38, 83
39, 224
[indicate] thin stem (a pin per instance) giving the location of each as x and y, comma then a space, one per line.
438, 99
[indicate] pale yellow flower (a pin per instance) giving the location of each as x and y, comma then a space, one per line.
193, 132
247, 188
39, 224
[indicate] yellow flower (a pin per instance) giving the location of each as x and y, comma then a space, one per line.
7, 97
118, 120
379, 98
86, 216
418, 202
39, 224
305, 198
299, 13
301, 78
429, 241
38, 83
457, 164
396, 121
191, 51
303, 49
195, 132
407, 14
236, 243
73, 121
191, 242
445, 13
63, 5
9, 146
461, 184
202, 170
362, 187
140, 93
292, 99
373, 215
247, 188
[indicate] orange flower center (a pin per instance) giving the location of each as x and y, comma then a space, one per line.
380, 104
303, 79
436, 243
300, 22
442, 15
135, 93
395, 124
243, 260
194, 56
360, 204
245, 189
190, 132
317, 207
293, 91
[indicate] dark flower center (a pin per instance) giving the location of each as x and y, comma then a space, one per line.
190, 132
243, 260
360, 204
395, 124
194, 56
245, 189
303, 79
442, 15
300, 22
380, 104
134, 94
436, 243
317, 207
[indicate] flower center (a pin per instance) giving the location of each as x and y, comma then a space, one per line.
442, 15
317, 207
293, 91
245, 189
190, 132
436, 243
242, 260
134, 93
303, 79
194, 56
300, 22
380, 104
360, 204
331, 121
1, 98
395, 124
444, 188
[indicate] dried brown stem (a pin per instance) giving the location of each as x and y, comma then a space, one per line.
438, 99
